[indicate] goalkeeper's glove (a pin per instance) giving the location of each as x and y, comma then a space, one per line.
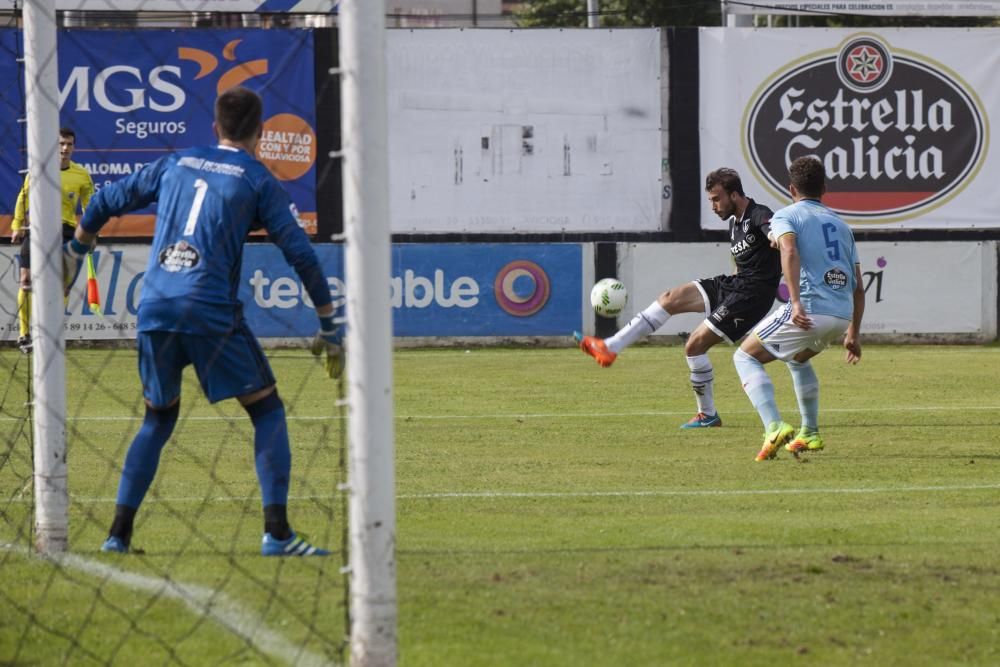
73, 253
329, 340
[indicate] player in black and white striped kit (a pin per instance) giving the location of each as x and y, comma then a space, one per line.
732, 304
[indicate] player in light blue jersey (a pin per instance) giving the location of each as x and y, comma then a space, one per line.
208, 200
820, 263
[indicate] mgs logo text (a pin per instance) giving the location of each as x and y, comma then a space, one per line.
898, 133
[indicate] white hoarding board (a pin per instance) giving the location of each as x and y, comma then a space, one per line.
911, 288
868, 7
900, 118
539, 131
119, 274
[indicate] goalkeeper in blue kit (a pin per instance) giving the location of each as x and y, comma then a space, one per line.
208, 199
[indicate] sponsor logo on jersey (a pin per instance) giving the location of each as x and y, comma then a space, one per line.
179, 257
835, 278
739, 247
898, 133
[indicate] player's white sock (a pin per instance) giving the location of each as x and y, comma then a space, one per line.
757, 384
701, 382
643, 324
806, 391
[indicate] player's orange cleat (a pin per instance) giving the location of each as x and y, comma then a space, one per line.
596, 348
777, 435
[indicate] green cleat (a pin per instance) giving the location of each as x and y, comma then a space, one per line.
806, 440
776, 435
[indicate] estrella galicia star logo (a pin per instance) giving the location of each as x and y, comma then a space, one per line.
864, 64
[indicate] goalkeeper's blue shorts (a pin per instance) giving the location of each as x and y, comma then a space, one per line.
227, 365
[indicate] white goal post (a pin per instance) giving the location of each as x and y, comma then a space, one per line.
49, 362
367, 263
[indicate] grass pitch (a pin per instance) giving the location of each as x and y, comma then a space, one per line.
550, 512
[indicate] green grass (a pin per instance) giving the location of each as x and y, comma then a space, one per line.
550, 512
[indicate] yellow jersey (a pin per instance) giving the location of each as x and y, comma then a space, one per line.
77, 189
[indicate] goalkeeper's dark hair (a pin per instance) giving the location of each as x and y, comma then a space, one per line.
727, 178
808, 176
237, 114
66, 132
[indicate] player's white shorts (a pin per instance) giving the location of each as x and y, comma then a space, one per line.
784, 340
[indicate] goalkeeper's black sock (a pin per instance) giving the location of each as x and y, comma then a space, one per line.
276, 522
121, 527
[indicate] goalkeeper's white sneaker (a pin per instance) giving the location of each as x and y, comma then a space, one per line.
114, 545
293, 546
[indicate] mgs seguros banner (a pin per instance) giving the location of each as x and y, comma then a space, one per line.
900, 119
132, 97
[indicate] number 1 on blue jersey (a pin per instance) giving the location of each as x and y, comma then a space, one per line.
200, 188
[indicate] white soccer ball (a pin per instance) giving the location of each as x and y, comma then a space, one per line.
608, 297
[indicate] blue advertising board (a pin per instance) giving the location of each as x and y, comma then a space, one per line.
133, 96
435, 290
451, 290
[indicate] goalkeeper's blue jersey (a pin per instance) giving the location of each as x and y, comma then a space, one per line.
208, 199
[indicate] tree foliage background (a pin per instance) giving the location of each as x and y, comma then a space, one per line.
619, 13
653, 13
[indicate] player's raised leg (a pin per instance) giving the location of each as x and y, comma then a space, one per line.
684, 299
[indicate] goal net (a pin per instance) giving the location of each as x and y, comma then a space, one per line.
134, 82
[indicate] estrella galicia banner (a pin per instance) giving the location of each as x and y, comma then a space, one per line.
134, 96
435, 290
899, 118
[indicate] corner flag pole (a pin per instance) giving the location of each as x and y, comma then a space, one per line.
49, 359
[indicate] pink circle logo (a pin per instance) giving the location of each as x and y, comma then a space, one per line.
522, 288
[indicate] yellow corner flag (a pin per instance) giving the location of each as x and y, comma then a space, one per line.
93, 293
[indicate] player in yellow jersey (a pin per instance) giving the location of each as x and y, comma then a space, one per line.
77, 188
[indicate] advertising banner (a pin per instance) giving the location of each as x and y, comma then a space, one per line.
869, 7
495, 290
271, 6
898, 284
132, 97
436, 290
539, 131
900, 119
